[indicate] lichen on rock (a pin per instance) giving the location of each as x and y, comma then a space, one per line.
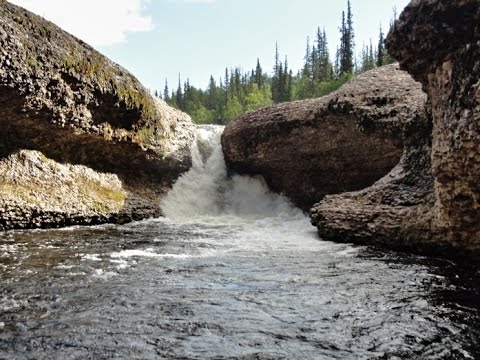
38, 192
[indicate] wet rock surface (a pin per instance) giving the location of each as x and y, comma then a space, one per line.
437, 41
61, 97
342, 142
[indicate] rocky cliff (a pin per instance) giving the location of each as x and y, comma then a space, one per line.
438, 42
61, 97
342, 142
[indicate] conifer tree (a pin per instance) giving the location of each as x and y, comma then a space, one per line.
259, 80
278, 94
239, 91
336, 68
347, 44
277, 75
307, 68
350, 49
380, 48
323, 56
289, 92
166, 93
318, 58
211, 101
179, 94
277, 59
227, 79
284, 82
371, 56
315, 66
343, 67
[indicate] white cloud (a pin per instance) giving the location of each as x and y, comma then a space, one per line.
97, 22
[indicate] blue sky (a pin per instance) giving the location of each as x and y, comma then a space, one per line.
158, 39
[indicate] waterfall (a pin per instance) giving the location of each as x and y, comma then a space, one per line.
206, 190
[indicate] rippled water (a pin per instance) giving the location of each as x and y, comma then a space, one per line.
264, 289
245, 277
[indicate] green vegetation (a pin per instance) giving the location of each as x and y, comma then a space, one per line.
90, 192
238, 92
96, 67
33, 62
24, 191
93, 67
146, 135
103, 198
135, 99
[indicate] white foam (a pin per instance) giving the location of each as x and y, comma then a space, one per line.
147, 253
122, 264
65, 267
100, 273
8, 304
207, 191
92, 257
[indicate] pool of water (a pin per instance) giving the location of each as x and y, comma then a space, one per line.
228, 288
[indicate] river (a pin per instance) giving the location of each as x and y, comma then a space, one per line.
232, 272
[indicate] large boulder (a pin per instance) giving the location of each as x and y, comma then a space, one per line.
61, 97
342, 142
438, 42
395, 211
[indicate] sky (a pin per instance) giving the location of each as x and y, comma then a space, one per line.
159, 39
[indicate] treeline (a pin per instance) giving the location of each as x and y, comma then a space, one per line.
239, 91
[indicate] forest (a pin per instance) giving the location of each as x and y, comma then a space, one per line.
237, 92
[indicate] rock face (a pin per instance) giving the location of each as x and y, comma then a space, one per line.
39, 192
61, 97
395, 211
342, 142
438, 42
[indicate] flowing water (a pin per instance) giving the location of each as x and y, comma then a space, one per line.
232, 272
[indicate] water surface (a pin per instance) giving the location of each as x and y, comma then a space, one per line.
233, 272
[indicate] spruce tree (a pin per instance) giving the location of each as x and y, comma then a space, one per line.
277, 59
285, 82
259, 75
315, 66
342, 58
227, 80
277, 74
347, 43
211, 101
336, 68
380, 48
166, 93
289, 91
323, 56
351, 36
278, 97
371, 56
307, 67
179, 94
